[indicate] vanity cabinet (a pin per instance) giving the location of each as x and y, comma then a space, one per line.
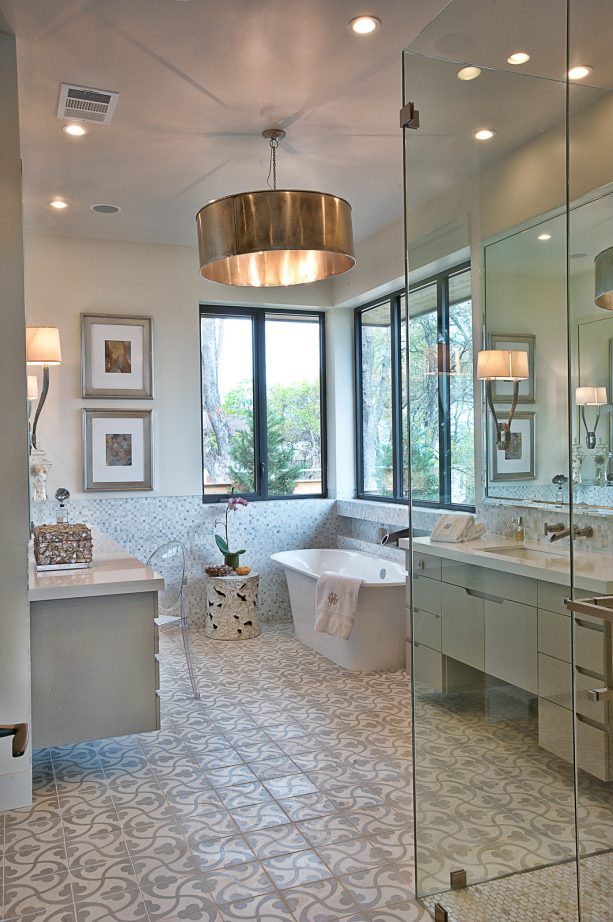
470, 619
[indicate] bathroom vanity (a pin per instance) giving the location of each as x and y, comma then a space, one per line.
93, 649
494, 607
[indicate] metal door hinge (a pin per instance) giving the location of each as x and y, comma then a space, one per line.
409, 116
600, 694
457, 880
440, 913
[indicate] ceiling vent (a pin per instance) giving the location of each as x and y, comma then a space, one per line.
87, 104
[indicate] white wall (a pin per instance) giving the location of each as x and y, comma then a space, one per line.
15, 774
65, 277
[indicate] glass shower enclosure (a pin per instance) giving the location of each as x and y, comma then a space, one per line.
509, 196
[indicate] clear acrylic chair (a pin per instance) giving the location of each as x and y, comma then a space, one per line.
170, 561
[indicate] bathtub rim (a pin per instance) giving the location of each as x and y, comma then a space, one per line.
367, 584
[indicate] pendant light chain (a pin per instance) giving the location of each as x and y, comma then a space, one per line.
274, 143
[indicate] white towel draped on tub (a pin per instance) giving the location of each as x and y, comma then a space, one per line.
336, 602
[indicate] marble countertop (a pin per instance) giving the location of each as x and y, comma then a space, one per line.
113, 572
537, 560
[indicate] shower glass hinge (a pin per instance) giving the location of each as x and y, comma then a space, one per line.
409, 116
457, 880
440, 913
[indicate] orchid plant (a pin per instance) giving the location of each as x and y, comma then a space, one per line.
231, 558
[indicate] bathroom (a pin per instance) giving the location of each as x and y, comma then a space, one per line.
502, 234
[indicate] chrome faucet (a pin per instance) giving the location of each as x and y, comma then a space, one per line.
586, 532
385, 537
553, 529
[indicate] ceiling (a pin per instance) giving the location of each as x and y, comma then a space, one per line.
198, 80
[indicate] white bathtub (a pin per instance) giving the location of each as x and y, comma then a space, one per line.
378, 639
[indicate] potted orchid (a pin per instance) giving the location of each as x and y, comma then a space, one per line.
231, 558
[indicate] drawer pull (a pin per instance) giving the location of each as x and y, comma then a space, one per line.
600, 694
421, 564
484, 596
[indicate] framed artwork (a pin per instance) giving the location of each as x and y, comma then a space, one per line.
116, 356
502, 391
117, 450
518, 461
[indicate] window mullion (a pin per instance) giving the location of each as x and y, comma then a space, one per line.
260, 409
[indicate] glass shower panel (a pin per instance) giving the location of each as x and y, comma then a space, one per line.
591, 326
494, 786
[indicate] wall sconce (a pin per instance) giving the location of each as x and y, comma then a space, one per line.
591, 397
502, 365
42, 348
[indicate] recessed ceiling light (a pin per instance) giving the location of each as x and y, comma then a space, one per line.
58, 203
518, 57
484, 134
469, 73
544, 237
75, 129
578, 255
105, 209
364, 25
579, 72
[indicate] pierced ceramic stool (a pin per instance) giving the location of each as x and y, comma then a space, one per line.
232, 607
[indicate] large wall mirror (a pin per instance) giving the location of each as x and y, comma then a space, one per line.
526, 274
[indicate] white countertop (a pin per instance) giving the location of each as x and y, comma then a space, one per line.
551, 563
112, 572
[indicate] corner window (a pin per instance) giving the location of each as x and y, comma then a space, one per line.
263, 403
435, 376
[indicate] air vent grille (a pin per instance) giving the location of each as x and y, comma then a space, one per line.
86, 104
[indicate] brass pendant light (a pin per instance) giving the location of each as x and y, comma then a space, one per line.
275, 236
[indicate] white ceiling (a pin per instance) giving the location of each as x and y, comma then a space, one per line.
198, 81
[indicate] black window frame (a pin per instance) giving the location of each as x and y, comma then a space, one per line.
399, 420
258, 317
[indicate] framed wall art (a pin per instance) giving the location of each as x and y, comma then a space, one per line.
518, 462
502, 391
116, 356
117, 450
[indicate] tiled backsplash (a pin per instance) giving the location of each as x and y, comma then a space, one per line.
142, 524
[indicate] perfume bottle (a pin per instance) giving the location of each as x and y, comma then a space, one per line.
519, 532
62, 495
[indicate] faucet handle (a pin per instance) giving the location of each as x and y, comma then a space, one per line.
553, 529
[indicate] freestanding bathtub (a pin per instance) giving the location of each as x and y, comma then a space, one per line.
378, 638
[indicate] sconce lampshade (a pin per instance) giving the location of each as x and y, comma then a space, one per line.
603, 271
591, 396
502, 365
275, 237
43, 346
32, 387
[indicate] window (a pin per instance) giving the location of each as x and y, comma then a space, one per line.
439, 375
263, 403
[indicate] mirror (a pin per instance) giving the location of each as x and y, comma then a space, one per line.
525, 280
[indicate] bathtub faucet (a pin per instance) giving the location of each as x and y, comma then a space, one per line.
385, 537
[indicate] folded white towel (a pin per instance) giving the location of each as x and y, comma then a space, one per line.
336, 602
456, 528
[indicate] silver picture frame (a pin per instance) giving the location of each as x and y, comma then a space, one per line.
519, 461
119, 364
502, 392
125, 444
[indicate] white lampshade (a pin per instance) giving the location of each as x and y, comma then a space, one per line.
591, 396
32, 387
43, 346
502, 365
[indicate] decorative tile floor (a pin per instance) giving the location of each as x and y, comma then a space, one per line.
283, 794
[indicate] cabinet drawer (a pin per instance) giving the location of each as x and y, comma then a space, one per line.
595, 710
593, 750
556, 729
427, 627
428, 667
425, 565
510, 643
554, 634
551, 597
463, 626
427, 594
493, 582
590, 646
556, 681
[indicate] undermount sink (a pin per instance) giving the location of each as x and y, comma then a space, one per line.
524, 553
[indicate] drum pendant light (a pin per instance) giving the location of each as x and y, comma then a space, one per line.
275, 236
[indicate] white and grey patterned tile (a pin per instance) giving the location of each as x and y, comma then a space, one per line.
37, 896
307, 806
351, 855
103, 882
238, 881
322, 901
258, 816
276, 840
243, 795
378, 887
267, 907
184, 898
290, 786
296, 868
212, 854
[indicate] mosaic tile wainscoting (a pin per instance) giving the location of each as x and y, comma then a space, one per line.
141, 524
